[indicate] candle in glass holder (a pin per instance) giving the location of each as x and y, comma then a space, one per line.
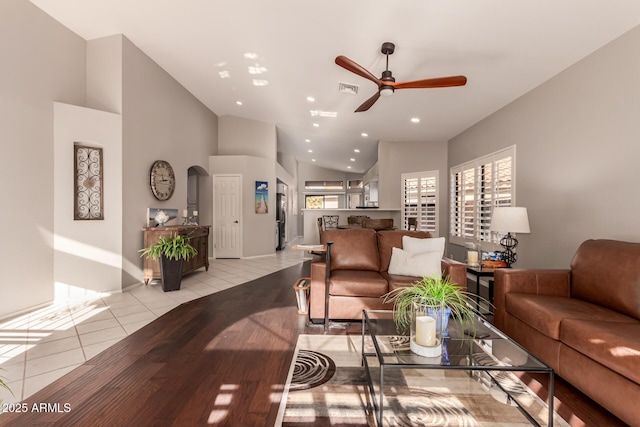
425, 331
472, 258
195, 213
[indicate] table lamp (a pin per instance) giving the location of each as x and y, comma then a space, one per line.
509, 220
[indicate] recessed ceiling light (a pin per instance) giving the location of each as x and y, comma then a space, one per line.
355, 150
307, 140
415, 120
319, 113
348, 167
313, 160
257, 82
257, 70
352, 159
364, 134
315, 125
310, 151
311, 99
239, 103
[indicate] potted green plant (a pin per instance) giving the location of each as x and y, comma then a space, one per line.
441, 297
172, 251
5, 386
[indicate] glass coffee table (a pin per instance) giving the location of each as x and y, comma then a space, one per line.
489, 359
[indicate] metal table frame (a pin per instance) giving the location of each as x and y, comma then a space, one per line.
378, 405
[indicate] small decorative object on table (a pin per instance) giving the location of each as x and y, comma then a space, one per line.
425, 307
473, 260
161, 218
427, 330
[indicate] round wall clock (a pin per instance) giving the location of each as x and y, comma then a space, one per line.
162, 180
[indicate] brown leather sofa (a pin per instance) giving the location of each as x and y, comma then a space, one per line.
583, 322
358, 276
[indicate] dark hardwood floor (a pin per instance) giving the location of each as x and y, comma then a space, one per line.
219, 360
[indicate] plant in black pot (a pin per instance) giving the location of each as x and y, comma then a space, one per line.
172, 251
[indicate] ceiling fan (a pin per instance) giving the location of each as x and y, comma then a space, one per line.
387, 83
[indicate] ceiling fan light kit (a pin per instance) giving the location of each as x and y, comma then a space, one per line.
387, 83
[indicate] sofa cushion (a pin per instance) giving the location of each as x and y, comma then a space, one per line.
607, 273
357, 283
612, 344
353, 249
425, 264
388, 239
545, 313
398, 281
416, 246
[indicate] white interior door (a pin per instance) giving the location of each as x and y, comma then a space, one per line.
227, 200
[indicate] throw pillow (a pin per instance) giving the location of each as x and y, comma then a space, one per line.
416, 246
425, 264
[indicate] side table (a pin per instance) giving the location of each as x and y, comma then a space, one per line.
479, 272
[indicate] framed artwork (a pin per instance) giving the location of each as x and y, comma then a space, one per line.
88, 186
262, 197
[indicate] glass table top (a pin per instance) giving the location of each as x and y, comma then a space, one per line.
488, 349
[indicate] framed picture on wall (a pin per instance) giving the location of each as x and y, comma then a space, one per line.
88, 185
262, 197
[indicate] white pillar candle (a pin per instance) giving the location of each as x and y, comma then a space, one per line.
425, 331
195, 213
472, 258
184, 213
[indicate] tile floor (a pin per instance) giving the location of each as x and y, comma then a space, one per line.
39, 347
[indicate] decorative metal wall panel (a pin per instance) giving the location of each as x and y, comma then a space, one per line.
88, 184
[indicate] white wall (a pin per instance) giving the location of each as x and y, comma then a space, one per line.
577, 142
104, 73
87, 254
243, 137
42, 62
258, 230
396, 158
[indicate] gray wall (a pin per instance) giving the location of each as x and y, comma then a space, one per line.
46, 63
42, 62
577, 150
161, 120
396, 158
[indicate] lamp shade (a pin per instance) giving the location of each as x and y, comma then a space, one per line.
510, 220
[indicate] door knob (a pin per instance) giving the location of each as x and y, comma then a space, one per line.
235, 222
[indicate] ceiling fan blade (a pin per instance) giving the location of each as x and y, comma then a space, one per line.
355, 68
368, 103
431, 83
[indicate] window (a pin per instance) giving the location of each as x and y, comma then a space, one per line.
321, 202
420, 192
476, 188
354, 184
324, 185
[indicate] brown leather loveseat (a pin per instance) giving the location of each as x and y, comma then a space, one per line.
584, 322
359, 278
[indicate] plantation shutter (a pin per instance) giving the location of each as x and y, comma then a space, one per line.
476, 188
420, 192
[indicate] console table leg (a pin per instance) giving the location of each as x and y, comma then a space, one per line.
327, 281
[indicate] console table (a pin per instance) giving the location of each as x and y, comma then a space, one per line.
199, 239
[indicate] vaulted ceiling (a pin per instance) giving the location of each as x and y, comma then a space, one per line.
262, 59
